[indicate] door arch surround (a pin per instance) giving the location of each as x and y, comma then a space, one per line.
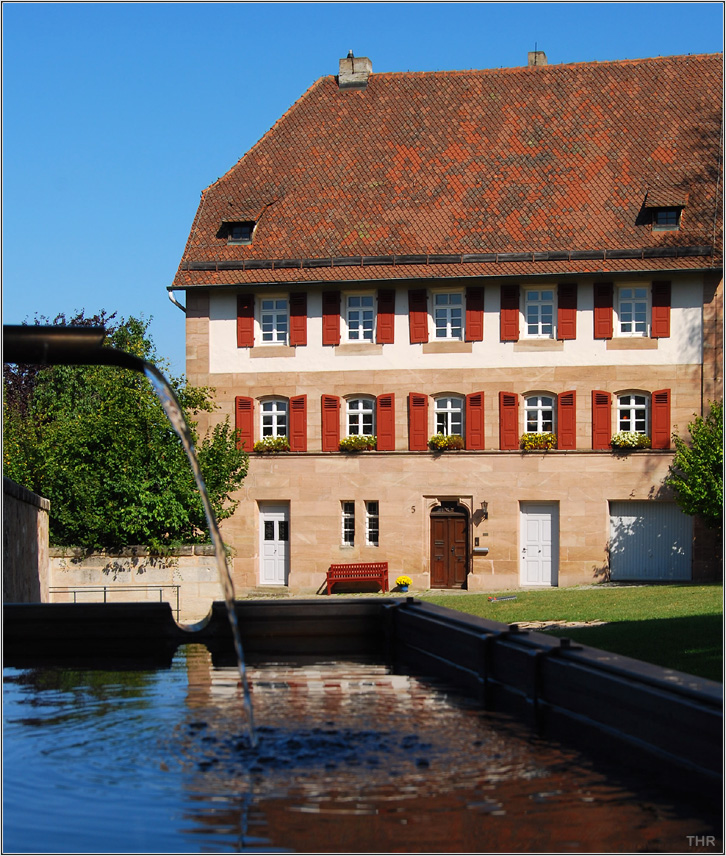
449, 554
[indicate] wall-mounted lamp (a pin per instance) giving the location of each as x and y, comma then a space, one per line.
485, 510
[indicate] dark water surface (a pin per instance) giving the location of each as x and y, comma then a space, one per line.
350, 758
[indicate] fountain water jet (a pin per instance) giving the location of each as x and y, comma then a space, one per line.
84, 346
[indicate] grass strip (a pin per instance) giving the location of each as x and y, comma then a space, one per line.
676, 626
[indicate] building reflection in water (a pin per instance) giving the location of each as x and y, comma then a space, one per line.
353, 758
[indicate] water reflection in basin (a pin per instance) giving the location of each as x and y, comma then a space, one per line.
350, 758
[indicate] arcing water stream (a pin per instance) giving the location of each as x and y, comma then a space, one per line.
174, 412
69, 345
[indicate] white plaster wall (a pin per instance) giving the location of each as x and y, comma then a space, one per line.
684, 346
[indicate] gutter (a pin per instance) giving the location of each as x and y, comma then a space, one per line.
173, 299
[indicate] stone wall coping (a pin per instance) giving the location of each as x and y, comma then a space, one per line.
17, 491
131, 552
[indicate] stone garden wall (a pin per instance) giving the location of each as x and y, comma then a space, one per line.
137, 574
25, 544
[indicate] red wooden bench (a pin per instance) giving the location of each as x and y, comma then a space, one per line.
358, 572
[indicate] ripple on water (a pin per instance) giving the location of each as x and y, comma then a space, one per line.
350, 758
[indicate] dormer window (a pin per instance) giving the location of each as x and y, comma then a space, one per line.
665, 204
666, 219
240, 232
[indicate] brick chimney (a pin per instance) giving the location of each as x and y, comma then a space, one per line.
354, 71
536, 58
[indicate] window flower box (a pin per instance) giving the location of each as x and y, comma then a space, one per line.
534, 441
446, 442
627, 440
272, 445
358, 443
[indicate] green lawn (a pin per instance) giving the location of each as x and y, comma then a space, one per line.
677, 626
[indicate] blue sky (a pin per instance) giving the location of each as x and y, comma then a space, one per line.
117, 115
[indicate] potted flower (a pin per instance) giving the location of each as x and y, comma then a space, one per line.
629, 440
446, 442
403, 582
358, 443
534, 440
272, 445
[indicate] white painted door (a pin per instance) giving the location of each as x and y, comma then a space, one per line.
539, 526
649, 541
274, 544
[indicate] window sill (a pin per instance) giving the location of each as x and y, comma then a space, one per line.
349, 349
272, 351
539, 345
447, 348
627, 343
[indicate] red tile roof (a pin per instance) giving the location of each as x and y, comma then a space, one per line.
475, 173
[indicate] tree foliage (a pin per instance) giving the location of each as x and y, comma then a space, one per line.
95, 441
696, 474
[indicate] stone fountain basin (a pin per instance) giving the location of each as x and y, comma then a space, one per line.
667, 723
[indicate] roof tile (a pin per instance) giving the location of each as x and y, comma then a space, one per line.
450, 165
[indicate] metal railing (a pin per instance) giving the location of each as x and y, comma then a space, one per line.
76, 590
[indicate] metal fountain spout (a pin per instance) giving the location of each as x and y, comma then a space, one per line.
47, 345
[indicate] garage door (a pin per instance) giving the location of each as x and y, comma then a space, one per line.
649, 541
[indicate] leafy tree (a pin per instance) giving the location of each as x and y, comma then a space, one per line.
696, 474
96, 442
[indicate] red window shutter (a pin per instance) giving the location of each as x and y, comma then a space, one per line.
244, 416
660, 320
386, 316
299, 423
299, 319
566, 421
601, 419
418, 316
330, 423
386, 423
567, 310
603, 310
475, 421
245, 320
508, 420
661, 419
509, 313
474, 314
418, 422
331, 317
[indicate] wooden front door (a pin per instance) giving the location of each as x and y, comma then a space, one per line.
449, 550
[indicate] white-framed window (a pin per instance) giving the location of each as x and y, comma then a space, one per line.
633, 310
360, 317
539, 413
348, 523
539, 313
449, 315
633, 412
361, 416
372, 524
274, 320
273, 417
449, 412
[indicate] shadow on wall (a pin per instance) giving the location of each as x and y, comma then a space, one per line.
650, 540
25, 544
